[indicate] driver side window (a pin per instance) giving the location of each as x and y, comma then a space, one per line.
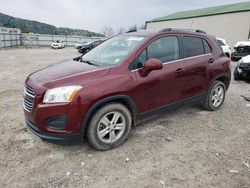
142, 58
165, 49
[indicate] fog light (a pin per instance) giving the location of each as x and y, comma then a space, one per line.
58, 123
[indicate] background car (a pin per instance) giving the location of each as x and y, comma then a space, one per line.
80, 44
242, 70
58, 45
88, 46
225, 47
241, 49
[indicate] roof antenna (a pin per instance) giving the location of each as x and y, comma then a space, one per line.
191, 25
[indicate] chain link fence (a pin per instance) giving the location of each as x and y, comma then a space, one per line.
36, 40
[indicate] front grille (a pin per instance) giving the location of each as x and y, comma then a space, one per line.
27, 105
29, 91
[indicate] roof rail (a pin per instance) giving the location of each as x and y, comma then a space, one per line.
181, 29
132, 30
200, 31
165, 30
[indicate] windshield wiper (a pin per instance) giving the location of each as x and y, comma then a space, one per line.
88, 62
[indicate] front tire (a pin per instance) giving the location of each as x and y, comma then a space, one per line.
109, 126
215, 96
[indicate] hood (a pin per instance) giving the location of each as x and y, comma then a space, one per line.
246, 59
242, 43
86, 45
66, 73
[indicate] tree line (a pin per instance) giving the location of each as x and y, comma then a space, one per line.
28, 26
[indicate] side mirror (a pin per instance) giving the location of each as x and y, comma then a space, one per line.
150, 65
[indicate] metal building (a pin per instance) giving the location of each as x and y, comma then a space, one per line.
231, 22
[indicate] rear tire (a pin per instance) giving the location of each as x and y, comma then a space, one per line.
109, 127
215, 97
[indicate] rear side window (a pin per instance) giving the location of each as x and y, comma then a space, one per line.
207, 47
194, 46
165, 49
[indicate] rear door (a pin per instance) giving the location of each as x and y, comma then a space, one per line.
160, 87
198, 56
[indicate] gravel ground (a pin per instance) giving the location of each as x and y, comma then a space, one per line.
188, 147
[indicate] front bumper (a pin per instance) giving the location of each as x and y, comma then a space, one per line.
245, 67
60, 122
242, 71
53, 137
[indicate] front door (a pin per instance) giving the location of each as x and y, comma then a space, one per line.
160, 87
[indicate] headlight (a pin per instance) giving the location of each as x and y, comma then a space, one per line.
61, 94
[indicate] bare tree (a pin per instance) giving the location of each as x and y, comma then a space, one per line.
136, 27
107, 31
133, 27
121, 30
141, 27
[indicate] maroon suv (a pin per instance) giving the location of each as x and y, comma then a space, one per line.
123, 80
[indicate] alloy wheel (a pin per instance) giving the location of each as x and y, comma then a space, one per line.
111, 127
218, 96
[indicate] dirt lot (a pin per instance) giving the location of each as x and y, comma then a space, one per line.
184, 148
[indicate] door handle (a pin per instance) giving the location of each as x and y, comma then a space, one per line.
211, 60
179, 70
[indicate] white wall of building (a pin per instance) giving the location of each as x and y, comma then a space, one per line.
232, 26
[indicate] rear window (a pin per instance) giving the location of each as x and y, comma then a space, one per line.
195, 46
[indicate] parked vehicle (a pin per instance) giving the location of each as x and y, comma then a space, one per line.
122, 81
80, 44
57, 45
88, 46
241, 49
242, 70
225, 47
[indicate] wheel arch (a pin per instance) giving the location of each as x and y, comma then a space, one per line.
122, 99
225, 79
228, 54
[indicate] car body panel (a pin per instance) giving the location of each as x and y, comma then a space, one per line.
144, 94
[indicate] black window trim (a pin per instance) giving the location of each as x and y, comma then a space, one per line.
181, 48
211, 49
174, 61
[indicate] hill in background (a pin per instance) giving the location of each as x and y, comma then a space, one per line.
41, 28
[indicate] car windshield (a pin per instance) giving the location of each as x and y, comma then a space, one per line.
113, 51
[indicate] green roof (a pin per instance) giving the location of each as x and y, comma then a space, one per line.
237, 7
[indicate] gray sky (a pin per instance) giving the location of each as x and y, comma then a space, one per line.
94, 14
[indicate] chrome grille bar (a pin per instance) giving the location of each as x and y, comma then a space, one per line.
27, 105
29, 91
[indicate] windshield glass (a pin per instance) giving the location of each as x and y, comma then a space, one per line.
113, 51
